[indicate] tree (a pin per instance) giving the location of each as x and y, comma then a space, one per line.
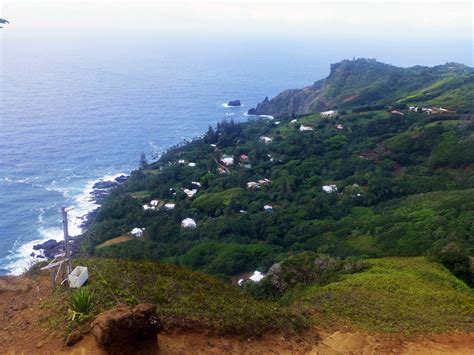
143, 161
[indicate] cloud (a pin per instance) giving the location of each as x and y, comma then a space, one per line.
422, 19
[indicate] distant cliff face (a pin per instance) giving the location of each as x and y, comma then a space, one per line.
353, 83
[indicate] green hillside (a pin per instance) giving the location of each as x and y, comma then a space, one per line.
404, 188
405, 295
361, 82
365, 217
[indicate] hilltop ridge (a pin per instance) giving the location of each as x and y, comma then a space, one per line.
362, 82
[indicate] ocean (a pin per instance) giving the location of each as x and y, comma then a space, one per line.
76, 109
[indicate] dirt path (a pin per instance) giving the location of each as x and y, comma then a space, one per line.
24, 330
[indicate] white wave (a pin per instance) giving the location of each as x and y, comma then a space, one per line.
262, 116
226, 105
20, 259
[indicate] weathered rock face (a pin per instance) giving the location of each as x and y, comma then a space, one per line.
355, 82
124, 330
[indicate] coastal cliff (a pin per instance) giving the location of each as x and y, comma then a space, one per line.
356, 83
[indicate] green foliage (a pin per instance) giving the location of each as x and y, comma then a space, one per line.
81, 301
231, 200
456, 260
405, 295
228, 259
184, 299
404, 182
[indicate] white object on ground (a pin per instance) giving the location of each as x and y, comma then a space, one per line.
78, 277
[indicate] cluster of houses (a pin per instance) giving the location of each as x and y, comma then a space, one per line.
258, 184
427, 110
156, 204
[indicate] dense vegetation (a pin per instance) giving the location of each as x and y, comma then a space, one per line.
405, 187
362, 81
366, 216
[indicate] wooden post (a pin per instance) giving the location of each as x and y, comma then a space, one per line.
67, 249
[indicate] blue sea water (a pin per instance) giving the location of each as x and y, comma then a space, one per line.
75, 109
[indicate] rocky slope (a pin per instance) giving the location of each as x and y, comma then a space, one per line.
361, 82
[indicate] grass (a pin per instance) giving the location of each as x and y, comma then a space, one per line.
403, 295
184, 299
81, 301
398, 295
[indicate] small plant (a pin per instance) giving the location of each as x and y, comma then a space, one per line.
81, 303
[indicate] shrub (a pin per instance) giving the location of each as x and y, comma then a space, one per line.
456, 260
81, 301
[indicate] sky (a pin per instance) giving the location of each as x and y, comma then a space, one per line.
378, 19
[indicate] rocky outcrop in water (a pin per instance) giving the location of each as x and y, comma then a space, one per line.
234, 103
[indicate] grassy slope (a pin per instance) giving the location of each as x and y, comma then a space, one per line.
406, 295
184, 298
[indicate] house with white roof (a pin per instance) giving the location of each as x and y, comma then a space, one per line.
329, 113
188, 223
306, 128
329, 188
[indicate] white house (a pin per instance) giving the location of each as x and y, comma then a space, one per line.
137, 232
265, 181
195, 183
329, 113
294, 121
265, 139
146, 207
329, 188
268, 208
306, 128
253, 185
339, 126
228, 160
190, 193
169, 206
257, 276
154, 203
192, 164
188, 223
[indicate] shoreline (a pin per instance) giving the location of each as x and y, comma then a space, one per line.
84, 209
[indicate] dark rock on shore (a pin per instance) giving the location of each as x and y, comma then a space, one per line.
121, 179
105, 184
234, 103
49, 244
